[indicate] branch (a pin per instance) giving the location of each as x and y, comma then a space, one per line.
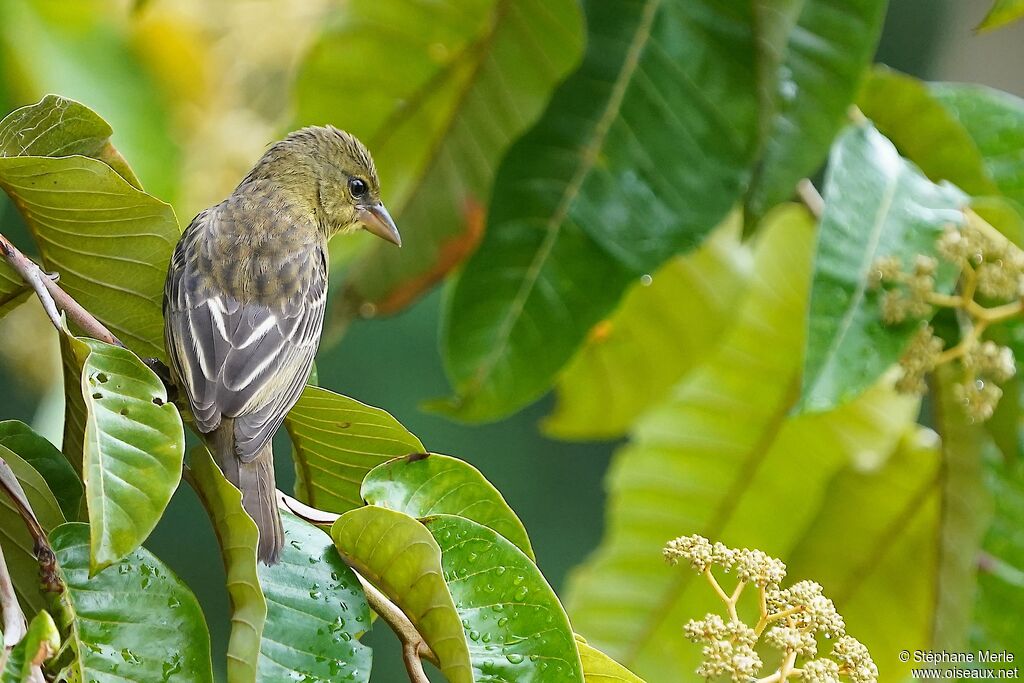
43, 551
810, 197
414, 648
53, 298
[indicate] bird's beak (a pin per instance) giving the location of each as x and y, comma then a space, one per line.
377, 220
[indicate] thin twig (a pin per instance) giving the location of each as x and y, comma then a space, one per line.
300, 509
396, 619
413, 663
811, 198
53, 298
44, 552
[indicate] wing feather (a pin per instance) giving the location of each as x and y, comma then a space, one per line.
243, 360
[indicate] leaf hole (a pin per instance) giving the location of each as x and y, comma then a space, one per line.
102, 377
158, 401
97, 395
124, 411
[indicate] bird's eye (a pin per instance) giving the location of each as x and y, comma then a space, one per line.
358, 187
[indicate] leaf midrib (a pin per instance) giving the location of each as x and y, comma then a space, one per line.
553, 225
874, 238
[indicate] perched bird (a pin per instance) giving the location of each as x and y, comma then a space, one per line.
245, 295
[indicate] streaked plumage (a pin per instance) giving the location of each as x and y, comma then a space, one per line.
245, 298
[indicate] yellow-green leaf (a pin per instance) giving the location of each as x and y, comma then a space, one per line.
398, 555
693, 466
337, 441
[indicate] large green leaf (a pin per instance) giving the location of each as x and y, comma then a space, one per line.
464, 80
426, 485
299, 619
53, 127
829, 46
693, 467
1003, 12
337, 441
603, 189
397, 554
19, 547
925, 131
132, 449
41, 642
661, 330
316, 611
238, 537
44, 457
515, 627
134, 622
109, 241
876, 204
995, 120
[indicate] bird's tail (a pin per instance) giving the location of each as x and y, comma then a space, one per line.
255, 479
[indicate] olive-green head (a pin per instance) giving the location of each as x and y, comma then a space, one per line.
334, 172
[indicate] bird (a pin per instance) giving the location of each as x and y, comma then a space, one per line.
245, 296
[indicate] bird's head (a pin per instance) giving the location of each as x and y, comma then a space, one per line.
340, 170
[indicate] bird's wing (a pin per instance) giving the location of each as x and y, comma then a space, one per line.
246, 361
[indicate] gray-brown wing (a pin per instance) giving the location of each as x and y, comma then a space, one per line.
246, 361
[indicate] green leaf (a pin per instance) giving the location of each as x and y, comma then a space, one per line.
876, 204
692, 467
337, 441
19, 548
135, 621
516, 628
316, 611
58, 127
1003, 12
602, 190
995, 120
53, 127
829, 47
632, 359
398, 555
600, 668
906, 111
238, 537
431, 484
465, 80
38, 645
44, 457
132, 450
299, 619
109, 241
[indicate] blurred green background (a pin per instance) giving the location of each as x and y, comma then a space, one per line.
194, 91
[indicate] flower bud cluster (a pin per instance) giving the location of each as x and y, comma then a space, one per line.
791, 621
728, 648
990, 267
